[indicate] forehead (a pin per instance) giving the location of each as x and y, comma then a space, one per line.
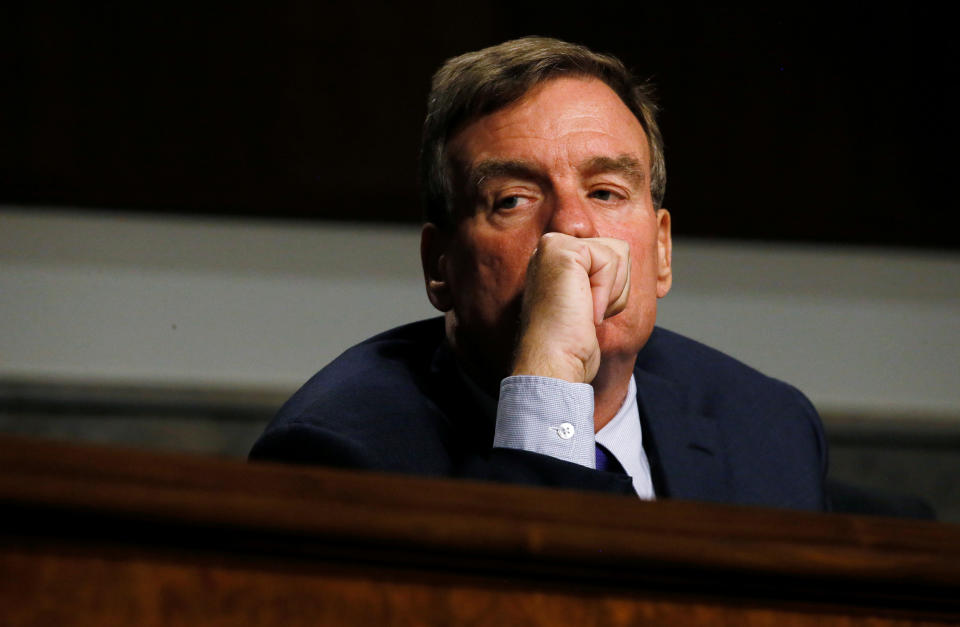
559, 119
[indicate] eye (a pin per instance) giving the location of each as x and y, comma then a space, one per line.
605, 195
511, 202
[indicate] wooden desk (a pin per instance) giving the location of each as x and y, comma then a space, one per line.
98, 536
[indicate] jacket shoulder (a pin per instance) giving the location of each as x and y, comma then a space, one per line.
709, 376
768, 433
366, 408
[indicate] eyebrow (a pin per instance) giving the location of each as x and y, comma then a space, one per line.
500, 168
625, 164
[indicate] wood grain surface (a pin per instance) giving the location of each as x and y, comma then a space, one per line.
98, 536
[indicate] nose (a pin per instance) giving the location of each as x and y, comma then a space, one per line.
571, 215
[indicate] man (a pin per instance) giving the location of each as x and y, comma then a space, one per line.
546, 248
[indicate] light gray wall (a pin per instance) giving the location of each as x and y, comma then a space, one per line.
251, 304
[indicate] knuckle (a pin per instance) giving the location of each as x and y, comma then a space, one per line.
548, 241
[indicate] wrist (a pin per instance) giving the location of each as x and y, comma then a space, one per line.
535, 361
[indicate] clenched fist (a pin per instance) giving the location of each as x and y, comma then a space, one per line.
572, 285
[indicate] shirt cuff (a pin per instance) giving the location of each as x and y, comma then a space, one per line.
548, 416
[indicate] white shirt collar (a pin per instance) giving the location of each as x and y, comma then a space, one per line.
623, 437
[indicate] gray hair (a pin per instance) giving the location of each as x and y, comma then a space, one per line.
479, 83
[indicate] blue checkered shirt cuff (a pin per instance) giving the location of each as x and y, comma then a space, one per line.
548, 416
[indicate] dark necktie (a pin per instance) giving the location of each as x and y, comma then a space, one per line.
606, 461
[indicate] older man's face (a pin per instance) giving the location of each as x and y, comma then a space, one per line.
568, 157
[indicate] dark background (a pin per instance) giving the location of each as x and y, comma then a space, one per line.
800, 123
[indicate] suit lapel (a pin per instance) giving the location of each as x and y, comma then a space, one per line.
683, 446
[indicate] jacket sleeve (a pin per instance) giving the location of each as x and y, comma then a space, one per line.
312, 444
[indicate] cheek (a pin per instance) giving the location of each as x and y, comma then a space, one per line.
643, 268
491, 272
628, 331
643, 276
643, 254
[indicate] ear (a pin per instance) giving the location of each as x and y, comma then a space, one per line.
664, 253
433, 247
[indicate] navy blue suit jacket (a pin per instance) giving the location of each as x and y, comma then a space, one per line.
714, 429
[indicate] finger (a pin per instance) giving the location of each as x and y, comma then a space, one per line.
601, 299
613, 269
606, 282
620, 291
